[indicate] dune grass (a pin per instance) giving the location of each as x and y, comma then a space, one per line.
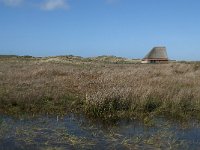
109, 91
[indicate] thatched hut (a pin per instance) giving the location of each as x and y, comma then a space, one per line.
156, 55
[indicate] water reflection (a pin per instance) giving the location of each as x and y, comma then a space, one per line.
77, 132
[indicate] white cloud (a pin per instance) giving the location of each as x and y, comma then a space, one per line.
47, 5
43, 4
12, 2
54, 4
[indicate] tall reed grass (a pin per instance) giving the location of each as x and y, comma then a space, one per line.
99, 90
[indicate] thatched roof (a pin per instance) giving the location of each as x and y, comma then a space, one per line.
157, 53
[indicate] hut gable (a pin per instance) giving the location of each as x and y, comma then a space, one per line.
156, 55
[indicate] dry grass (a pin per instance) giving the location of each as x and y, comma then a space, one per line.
104, 90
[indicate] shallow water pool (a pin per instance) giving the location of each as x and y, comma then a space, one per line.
77, 132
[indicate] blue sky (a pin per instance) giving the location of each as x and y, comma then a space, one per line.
126, 28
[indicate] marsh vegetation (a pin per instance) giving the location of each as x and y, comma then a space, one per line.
112, 89
109, 90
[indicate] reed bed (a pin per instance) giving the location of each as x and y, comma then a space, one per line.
109, 91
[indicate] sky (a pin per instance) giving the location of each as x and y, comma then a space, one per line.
87, 28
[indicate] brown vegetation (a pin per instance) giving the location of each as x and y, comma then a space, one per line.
98, 89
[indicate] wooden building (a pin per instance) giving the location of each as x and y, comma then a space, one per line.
156, 55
